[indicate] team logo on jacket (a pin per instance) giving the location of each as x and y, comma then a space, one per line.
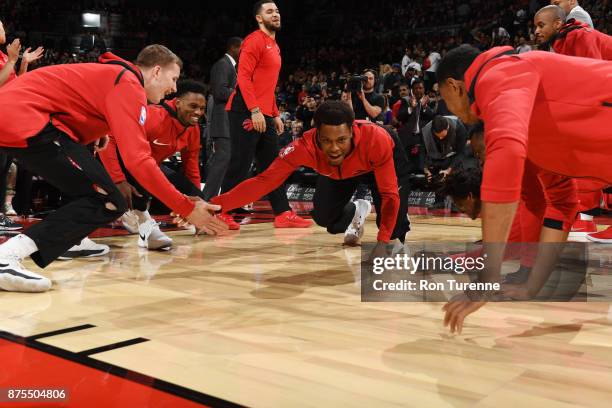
143, 116
286, 151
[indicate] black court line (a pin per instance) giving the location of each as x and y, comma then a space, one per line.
61, 331
128, 375
113, 346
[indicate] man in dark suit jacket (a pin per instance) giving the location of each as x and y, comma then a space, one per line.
222, 84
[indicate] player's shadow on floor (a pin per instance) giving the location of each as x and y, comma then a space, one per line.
283, 287
515, 352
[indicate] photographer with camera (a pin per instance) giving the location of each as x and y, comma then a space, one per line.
359, 94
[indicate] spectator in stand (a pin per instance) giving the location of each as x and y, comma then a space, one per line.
413, 114
8, 61
406, 60
523, 46
433, 60
305, 112
573, 10
393, 79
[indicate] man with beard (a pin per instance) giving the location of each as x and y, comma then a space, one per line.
367, 104
171, 127
577, 39
254, 118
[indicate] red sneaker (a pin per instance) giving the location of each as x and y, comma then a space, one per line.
229, 220
289, 219
604, 237
580, 229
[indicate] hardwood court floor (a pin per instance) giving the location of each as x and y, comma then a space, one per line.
273, 318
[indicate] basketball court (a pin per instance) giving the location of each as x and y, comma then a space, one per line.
272, 318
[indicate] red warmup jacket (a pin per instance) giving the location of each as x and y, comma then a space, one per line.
166, 135
561, 129
258, 68
88, 101
3, 62
579, 40
372, 151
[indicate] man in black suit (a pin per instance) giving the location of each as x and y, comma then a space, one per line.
414, 113
222, 84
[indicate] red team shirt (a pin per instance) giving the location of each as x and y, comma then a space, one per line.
258, 69
581, 40
84, 101
3, 62
166, 136
528, 115
372, 151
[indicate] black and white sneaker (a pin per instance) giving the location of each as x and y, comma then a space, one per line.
6, 224
86, 249
15, 278
151, 237
354, 232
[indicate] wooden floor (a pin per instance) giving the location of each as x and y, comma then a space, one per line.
273, 318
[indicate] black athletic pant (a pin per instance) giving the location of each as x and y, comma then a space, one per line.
5, 165
72, 169
334, 210
217, 166
246, 146
179, 180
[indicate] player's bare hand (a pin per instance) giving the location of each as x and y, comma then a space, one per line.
279, 126
127, 191
31, 56
202, 217
457, 309
101, 144
259, 122
12, 50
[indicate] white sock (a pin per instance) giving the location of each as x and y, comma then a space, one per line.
20, 246
586, 217
143, 216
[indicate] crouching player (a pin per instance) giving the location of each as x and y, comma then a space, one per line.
345, 153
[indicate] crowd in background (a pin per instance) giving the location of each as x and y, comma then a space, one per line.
323, 44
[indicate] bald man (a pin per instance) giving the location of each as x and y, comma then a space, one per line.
554, 32
573, 10
576, 39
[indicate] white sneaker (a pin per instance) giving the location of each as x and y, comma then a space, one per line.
15, 278
151, 237
86, 249
354, 232
9, 210
130, 222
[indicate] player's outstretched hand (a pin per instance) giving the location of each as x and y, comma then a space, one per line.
457, 309
31, 56
203, 218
